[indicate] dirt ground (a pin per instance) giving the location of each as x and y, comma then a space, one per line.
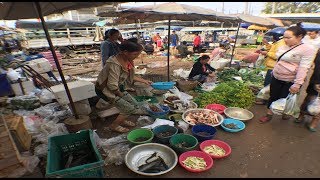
280, 148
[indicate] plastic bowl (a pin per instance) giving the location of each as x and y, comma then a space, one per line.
163, 114
183, 142
219, 143
135, 135
175, 117
158, 130
238, 123
216, 107
203, 132
163, 85
200, 154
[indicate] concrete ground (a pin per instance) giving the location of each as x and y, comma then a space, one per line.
280, 148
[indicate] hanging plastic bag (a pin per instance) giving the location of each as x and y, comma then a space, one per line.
314, 106
264, 93
277, 106
292, 107
260, 60
182, 96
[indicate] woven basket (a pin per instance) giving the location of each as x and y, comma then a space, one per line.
187, 85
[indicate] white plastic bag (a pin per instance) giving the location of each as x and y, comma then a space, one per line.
264, 93
260, 60
277, 106
314, 107
182, 96
292, 107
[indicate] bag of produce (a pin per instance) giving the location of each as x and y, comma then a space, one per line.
264, 93
314, 106
277, 106
292, 107
251, 58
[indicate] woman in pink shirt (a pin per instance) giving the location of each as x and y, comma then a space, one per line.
290, 71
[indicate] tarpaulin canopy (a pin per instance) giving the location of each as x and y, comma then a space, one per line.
26, 10
55, 24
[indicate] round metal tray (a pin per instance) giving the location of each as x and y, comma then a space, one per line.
220, 117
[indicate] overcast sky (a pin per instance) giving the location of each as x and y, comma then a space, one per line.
229, 7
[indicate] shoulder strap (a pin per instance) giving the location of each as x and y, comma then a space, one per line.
288, 51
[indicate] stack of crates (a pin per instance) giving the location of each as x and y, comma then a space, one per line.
60, 146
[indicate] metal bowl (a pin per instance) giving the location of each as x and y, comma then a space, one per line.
238, 113
138, 155
184, 115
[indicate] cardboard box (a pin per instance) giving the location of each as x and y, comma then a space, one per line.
40, 65
27, 86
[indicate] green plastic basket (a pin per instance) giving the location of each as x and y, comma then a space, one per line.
59, 146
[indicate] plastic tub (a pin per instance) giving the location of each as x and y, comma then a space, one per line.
183, 142
140, 136
219, 143
163, 85
200, 154
216, 107
163, 114
241, 126
163, 133
203, 132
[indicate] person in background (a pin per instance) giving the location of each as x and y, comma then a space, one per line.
109, 47
202, 71
313, 91
291, 69
174, 39
197, 43
312, 38
155, 39
260, 38
149, 48
218, 52
183, 50
119, 69
270, 60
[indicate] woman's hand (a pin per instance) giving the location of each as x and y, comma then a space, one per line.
264, 52
212, 74
294, 89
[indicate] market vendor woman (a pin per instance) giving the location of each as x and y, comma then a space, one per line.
202, 71
118, 72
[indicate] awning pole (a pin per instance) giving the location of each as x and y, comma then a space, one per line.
56, 59
168, 55
235, 42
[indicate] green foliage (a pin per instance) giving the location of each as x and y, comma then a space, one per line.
291, 7
230, 94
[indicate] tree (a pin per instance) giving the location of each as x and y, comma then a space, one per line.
292, 7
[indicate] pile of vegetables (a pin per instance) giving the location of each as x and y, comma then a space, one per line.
249, 76
230, 94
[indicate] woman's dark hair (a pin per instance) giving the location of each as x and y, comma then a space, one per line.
135, 40
297, 30
130, 46
109, 33
203, 57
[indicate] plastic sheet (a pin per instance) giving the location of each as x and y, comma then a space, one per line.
53, 112
46, 96
41, 150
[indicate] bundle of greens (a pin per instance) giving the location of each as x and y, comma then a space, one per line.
230, 94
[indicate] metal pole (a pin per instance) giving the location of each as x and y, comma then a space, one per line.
56, 59
235, 42
168, 55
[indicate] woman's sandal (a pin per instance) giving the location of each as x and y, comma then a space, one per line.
128, 123
266, 118
120, 129
310, 128
299, 119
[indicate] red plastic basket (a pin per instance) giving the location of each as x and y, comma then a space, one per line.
206, 157
219, 143
216, 107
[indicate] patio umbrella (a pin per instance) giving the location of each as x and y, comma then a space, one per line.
310, 26
169, 11
26, 10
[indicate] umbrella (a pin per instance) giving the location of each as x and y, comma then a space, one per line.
168, 11
277, 30
256, 27
26, 10
311, 26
